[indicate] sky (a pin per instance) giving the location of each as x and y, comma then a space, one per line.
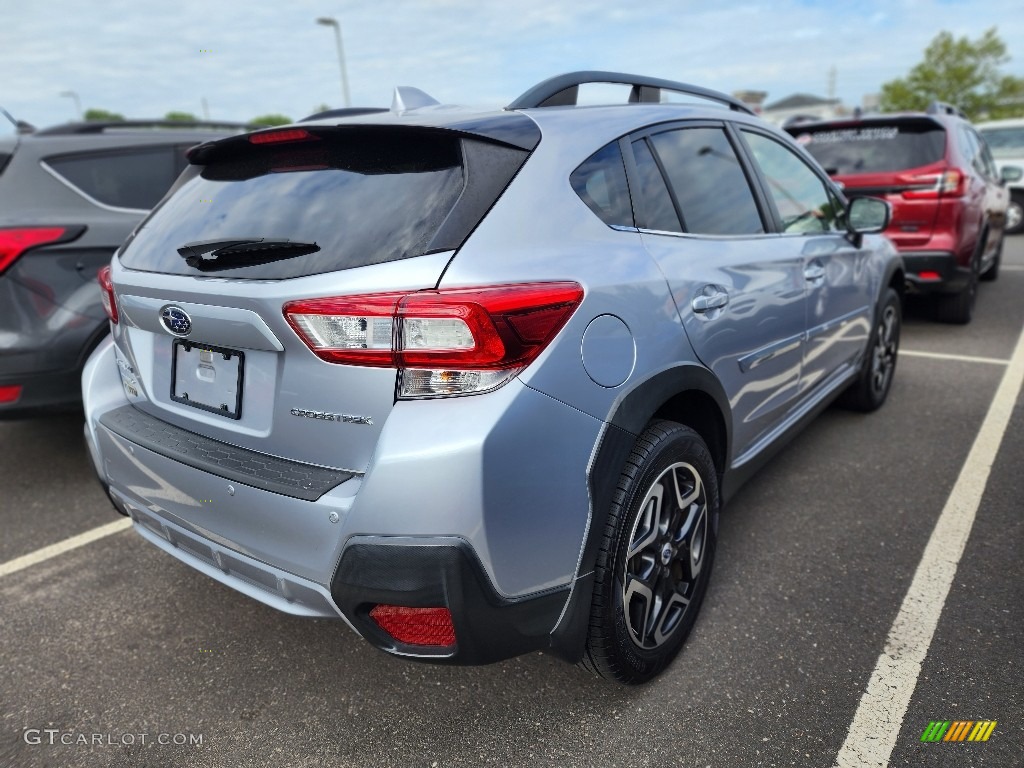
143, 58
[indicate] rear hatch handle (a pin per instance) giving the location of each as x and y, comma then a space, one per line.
213, 255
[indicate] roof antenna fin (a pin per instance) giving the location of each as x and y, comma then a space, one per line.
406, 97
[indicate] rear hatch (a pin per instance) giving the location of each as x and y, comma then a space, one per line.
900, 159
278, 217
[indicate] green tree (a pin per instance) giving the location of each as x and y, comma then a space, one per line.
962, 72
103, 115
181, 117
272, 119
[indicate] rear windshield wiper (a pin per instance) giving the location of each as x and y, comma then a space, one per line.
213, 255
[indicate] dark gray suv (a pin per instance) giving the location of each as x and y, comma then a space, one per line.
69, 196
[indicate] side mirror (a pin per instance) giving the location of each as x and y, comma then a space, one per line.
866, 216
1010, 174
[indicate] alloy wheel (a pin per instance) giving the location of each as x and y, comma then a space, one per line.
665, 556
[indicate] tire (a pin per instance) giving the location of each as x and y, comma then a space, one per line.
1015, 213
958, 308
871, 387
656, 555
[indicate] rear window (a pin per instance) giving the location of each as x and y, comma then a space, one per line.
874, 147
362, 197
135, 178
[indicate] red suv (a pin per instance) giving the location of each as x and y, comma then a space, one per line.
948, 200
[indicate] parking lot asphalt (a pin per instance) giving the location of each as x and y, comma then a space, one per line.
116, 644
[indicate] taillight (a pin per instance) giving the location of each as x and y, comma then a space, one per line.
282, 137
16, 240
447, 342
416, 626
931, 186
107, 293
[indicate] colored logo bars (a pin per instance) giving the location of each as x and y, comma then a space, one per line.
958, 730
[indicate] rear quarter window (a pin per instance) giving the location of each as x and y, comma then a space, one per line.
874, 148
600, 182
133, 178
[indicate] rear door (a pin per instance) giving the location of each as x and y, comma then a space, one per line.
738, 288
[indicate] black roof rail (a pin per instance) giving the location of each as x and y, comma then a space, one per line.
562, 90
344, 112
99, 126
942, 108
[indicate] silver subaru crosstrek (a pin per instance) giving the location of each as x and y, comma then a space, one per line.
478, 382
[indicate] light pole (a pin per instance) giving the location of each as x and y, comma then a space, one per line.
78, 103
327, 21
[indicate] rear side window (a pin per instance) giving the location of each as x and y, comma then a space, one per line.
600, 181
710, 187
135, 178
875, 148
360, 196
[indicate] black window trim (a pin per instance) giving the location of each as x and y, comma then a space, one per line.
769, 218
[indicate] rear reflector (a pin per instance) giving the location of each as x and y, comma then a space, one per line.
416, 626
107, 293
10, 393
15, 241
281, 137
445, 342
929, 276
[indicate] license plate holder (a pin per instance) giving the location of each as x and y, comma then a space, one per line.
207, 377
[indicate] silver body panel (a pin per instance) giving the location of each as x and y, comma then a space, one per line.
508, 472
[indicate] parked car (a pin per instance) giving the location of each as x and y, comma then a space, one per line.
1006, 140
69, 196
948, 200
478, 383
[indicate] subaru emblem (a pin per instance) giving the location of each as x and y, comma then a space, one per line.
176, 321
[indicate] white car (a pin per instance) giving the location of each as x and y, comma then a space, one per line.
1006, 140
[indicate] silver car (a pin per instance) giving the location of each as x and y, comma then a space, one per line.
478, 383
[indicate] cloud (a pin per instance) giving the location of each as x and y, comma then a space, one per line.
144, 57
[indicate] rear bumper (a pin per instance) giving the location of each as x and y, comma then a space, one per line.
441, 572
949, 277
42, 393
478, 512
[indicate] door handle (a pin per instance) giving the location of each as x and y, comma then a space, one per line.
706, 302
814, 271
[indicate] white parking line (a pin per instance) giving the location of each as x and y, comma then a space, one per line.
32, 558
878, 719
958, 358
1012, 267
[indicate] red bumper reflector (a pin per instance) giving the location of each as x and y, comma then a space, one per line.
416, 626
10, 394
929, 275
